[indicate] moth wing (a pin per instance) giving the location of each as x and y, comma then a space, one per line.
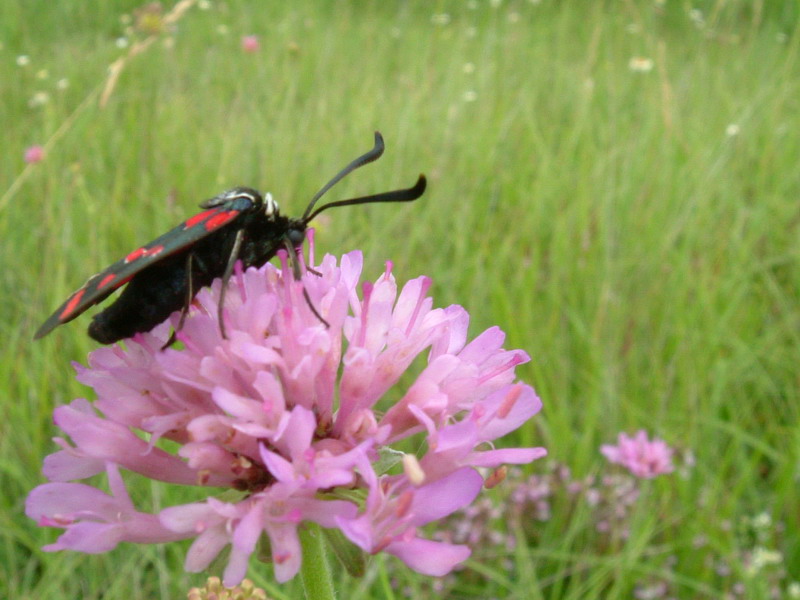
99, 286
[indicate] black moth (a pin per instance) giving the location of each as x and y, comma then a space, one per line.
164, 275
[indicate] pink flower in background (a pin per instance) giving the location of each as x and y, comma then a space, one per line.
642, 457
250, 43
34, 154
307, 422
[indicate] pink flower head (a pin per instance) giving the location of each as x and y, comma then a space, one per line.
34, 154
642, 457
250, 43
302, 419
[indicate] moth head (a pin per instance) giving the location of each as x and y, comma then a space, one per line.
296, 233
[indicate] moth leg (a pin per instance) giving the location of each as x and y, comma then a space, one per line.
298, 275
313, 308
187, 303
237, 246
294, 252
189, 292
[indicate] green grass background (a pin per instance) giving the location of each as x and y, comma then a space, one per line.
610, 221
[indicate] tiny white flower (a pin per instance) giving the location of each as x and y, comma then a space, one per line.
722, 569
651, 592
440, 19
513, 17
222, 29
204, 5
761, 558
39, 99
121, 42
495, 3
471, 32
42, 74
62, 83
633, 28
793, 591
470, 96
640, 64
732, 130
761, 520
23, 60
468, 68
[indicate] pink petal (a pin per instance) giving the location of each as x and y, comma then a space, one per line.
509, 456
439, 499
185, 518
69, 465
428, 557
206, 548
91, 538
286, 552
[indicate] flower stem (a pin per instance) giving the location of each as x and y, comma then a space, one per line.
315, 571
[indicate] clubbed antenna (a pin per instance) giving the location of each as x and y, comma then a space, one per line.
405, 195
362, 160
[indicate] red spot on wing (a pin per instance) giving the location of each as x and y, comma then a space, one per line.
198, 218
220, 219
142, 252
110, 279
135, 255
73, 302
106, 280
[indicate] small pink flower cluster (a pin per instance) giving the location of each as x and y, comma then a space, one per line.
34, 154
251, 44
639, 455
295, 415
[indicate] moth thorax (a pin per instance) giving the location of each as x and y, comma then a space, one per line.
240, 192
270, 206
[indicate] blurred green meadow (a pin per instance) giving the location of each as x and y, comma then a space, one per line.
615, 184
